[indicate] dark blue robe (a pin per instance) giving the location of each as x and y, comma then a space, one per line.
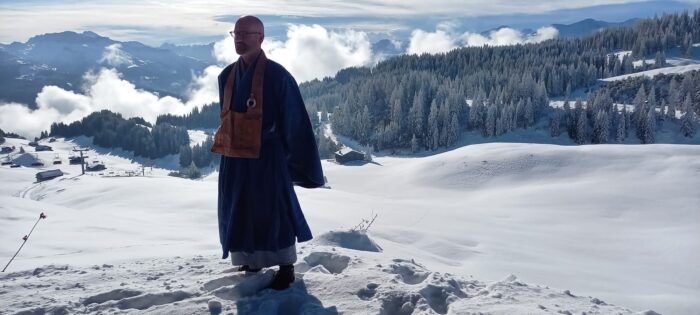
257, 206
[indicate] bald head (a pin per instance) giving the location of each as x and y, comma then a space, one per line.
249, 33
252, 23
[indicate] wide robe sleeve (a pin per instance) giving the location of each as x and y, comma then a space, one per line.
298, 138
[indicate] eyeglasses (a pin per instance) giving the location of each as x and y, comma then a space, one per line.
235, 34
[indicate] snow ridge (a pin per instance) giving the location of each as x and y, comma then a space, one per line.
330, 280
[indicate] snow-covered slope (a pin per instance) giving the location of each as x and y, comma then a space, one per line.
578, 225
653, 72
676, 62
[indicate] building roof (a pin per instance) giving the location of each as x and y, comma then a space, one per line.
346, 150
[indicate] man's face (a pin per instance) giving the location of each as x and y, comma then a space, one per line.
247, 37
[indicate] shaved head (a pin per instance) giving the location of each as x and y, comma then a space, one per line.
252, 22
249, 33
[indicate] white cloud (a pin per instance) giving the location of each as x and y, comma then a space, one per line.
310, 52
114, 56
204, 89
18, 118
225, 51
544, 33
104, 89
427, 42
314, 52
444, 39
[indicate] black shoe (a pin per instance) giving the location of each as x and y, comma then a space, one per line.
283, 278
247, 268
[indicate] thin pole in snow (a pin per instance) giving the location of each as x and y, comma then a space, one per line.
25, 238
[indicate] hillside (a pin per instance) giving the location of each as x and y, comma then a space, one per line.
451, 227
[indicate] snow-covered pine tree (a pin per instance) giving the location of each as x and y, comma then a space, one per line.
601, 127
490, 123
453, 130
554, 124
433, 130
648, 133
688, 118
581, 125
687, 124
185, 155
414, 144
621, 132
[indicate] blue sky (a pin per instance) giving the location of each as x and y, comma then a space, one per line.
194, 21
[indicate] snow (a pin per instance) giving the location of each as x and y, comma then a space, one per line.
595, 229
621, 54
197, 136
678, 61
653, 72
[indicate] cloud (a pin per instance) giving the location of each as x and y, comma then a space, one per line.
313, 52
431, 43
154, 22
544, 33
444, 39
225, 51
310, 51
204, 89
104, 89
114, 56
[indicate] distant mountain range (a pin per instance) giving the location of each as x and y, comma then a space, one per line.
587, 27
62, 59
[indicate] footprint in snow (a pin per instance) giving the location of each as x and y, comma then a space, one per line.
234, 288
333, 263
145, 301
409, 271
117, 294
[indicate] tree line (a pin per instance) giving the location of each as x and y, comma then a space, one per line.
419, 101
111, 130
614, 111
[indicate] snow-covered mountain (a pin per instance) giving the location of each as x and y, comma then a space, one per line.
582, 228
62, 59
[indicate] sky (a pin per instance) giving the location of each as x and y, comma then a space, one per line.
193, 21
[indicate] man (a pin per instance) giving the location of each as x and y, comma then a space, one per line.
267, 146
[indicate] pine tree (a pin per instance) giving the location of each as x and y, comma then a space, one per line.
415, 114
453, 130
490, 123
621, 132
475, 114
672, 111
601, 127
529, 113
687, 125
414, 144
185, 155
365, 125
649, 131
581, 125
660, 60
554, 129
639, 103
433, 128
